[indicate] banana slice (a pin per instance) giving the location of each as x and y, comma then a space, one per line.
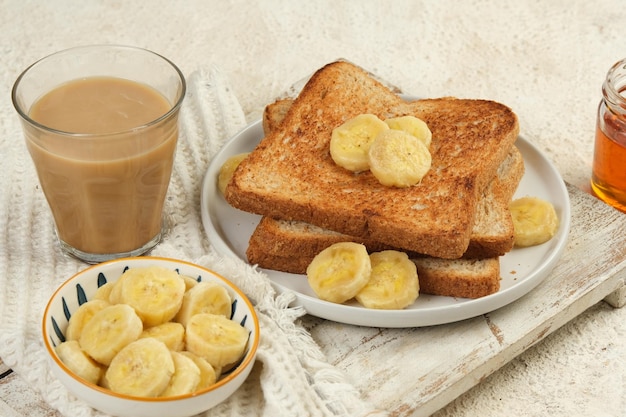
186, 376
104, 383
78, 361
350, 142
535, 221
103, 292
227, 169
115, 293
205, 297
156, 293
190, 282
412, 125
393, 283
208, 374
398, 159
109, 330
339, 272
220, 341
170, 333
143, 369
81, 317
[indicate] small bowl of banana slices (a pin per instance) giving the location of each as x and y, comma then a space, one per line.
150, 336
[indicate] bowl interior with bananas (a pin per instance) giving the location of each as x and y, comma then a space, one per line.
150, 336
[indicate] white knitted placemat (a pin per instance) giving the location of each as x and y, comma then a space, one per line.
291, 376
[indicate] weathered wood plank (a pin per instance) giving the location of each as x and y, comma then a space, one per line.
17, 399
414, 372
617, 298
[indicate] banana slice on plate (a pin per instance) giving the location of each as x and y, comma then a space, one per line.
350, 142
393, 283
339, 272
227, 169
215, 338
81, 317
156, 293
109, 331
185, 378
170, 333
143, 368
535, 221
398, 159
412, 125
79, 362
205, 297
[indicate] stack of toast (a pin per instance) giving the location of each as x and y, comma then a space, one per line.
454, 224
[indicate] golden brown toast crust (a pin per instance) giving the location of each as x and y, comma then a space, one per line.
290, 175
493, 231
274, 114
464, 278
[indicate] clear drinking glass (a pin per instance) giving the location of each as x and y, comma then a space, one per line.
106, 187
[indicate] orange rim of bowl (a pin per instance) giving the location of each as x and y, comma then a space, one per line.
250, 355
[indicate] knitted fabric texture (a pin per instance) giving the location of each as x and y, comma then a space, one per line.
291, 376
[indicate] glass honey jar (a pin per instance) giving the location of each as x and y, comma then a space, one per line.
608, 177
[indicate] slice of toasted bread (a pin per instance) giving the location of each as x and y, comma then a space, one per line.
290, 245
492, 233
290, 175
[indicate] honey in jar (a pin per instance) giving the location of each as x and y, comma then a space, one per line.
608, 177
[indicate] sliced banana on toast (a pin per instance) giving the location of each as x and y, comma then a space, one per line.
396, 150
339, 272
535, 221
393, 284
350, 142
399, 159
412, 125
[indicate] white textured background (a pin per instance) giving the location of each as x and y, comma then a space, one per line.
545, 59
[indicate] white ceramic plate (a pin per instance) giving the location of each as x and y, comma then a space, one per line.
229, 229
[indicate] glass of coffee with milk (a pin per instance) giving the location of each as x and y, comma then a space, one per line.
101, 126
